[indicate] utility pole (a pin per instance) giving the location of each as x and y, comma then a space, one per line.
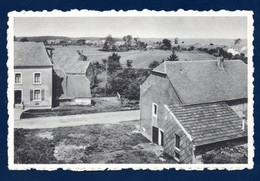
106, 78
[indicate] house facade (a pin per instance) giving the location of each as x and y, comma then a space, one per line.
191, 83
32, 76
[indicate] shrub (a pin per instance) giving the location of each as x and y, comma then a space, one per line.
31, 149
154, 64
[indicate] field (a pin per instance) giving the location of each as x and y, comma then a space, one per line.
102, 143
141, 59
107, 143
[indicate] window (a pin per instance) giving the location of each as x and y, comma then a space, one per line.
18, 78
155, 109
37, 78
177, 141
37, 95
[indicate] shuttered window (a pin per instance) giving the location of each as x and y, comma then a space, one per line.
37, 95
42, 96
31, 95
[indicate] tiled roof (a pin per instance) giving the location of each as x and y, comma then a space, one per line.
160, 68
203, 81
209, 123
68, 60
30, 54
78, 86
73, 86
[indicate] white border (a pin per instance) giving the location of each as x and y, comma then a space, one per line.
132, 13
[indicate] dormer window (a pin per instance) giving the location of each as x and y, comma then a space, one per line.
37, 79
18, 78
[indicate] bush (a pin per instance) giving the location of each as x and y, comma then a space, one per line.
154, 64
127, 82
32, 150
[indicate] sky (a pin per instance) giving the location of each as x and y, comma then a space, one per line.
142, 27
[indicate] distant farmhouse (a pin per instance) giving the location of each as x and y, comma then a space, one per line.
190, 107
76, 76
32, 76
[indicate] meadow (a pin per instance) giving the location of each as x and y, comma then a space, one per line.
141, 59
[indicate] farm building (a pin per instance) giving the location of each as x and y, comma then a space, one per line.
190, 107
72, 89
75, 74
32, 76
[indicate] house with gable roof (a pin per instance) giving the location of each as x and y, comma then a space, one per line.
32, 76
74, 77
190, 107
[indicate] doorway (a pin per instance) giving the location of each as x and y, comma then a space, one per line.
155, 135
158, 136
17, 97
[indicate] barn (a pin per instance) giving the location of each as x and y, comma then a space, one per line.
73, 76
190, 107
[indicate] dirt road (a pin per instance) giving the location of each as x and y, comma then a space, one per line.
77, 120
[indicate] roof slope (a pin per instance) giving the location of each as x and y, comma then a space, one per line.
78, 86
209, 123
203, 81
30, 54
68, 59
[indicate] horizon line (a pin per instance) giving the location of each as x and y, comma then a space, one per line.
132, 36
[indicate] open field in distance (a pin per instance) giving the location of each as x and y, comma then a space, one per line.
141, 59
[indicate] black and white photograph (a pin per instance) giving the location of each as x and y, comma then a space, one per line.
143, 90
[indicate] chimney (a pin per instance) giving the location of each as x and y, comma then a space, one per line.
220, 62
50, 51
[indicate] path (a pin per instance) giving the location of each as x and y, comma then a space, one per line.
77, 120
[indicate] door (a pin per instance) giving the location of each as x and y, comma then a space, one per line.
155, 135
17, 96
161, 138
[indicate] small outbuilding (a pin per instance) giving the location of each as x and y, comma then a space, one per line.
74, 89
192, 130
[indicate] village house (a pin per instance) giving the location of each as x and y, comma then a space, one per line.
190, 107
32, 76
73, 75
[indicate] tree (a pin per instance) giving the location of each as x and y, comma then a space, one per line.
173, 57
79, 42
129, 63
128, 40
113, 63
97, 65
24, 40
237, 41
127, 82
167, 44
154, 64
109, 43
176, 40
